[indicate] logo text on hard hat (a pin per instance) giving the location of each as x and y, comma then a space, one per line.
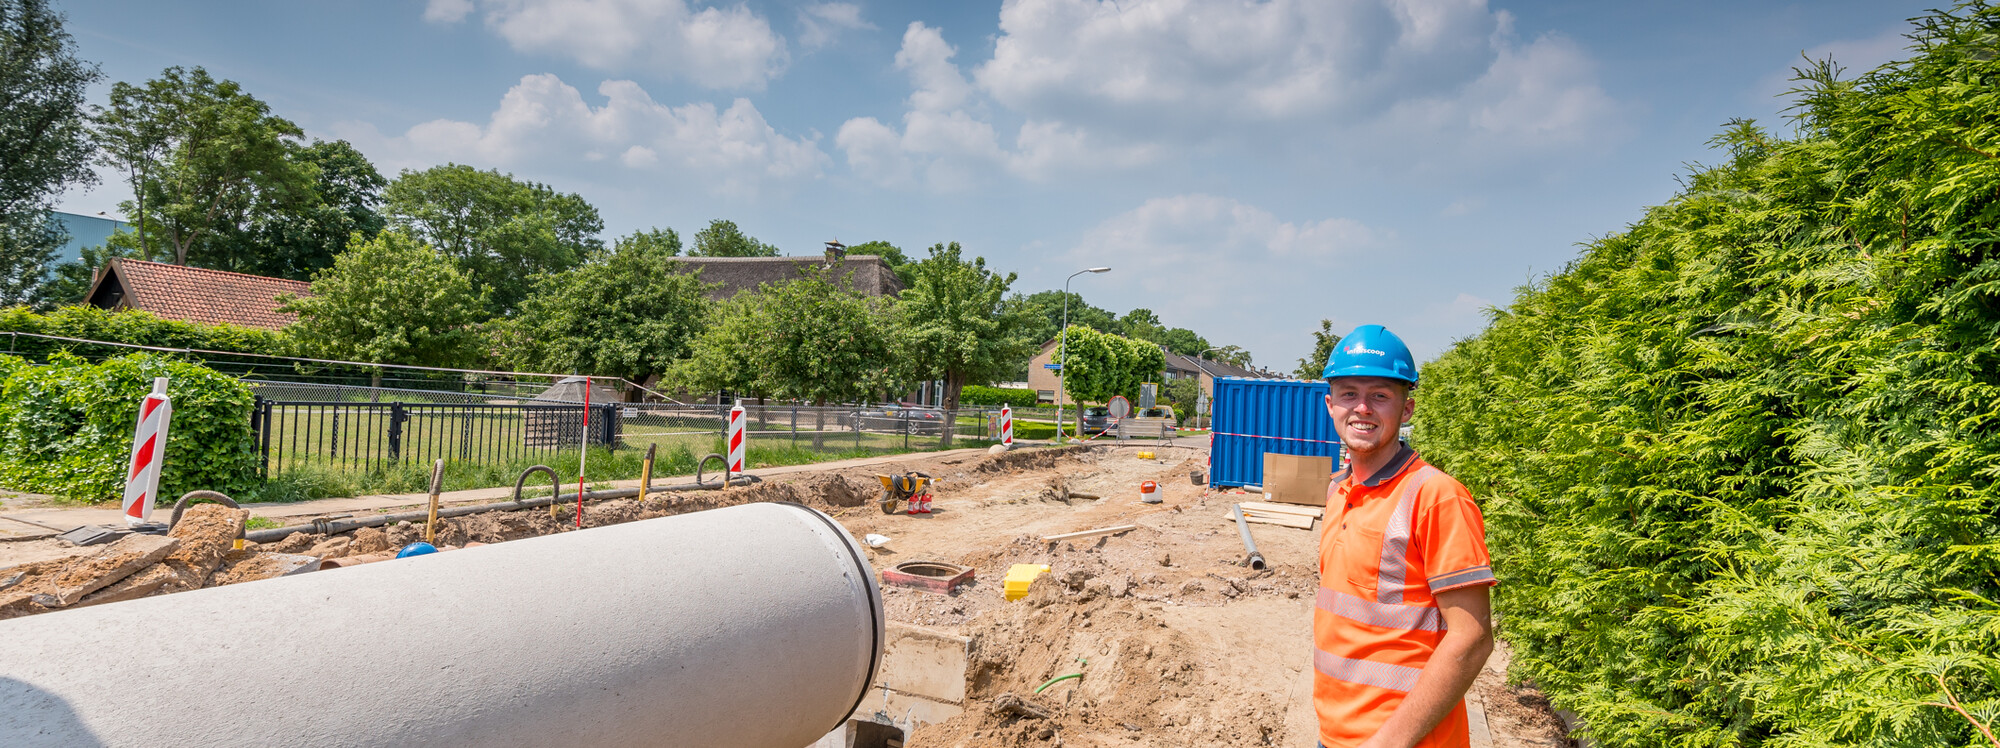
1359, 348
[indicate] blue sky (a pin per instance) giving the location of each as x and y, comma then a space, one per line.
1247, 168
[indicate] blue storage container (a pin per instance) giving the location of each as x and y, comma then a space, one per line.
1255, 416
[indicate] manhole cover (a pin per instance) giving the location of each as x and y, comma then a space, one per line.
930, 576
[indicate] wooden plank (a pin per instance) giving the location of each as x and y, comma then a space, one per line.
1261, 506
1317, 502
1287, 520
1091, 533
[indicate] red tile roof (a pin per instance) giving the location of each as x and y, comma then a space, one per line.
212, 297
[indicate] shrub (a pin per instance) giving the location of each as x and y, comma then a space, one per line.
974, 394
128, 326
66, 428
1738, 459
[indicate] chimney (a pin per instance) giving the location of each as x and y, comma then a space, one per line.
835, 251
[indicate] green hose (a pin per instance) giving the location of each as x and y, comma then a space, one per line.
1057, 679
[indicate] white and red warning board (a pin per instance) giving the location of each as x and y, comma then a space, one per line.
1007, 425
735, 439
149, 450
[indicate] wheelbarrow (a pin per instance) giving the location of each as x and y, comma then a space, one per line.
909, 489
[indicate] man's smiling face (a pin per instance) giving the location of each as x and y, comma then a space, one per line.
1368, 411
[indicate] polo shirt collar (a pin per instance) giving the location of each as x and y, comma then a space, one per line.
1396, 465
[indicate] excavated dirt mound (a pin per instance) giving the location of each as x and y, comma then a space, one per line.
1142, 681
1030, 459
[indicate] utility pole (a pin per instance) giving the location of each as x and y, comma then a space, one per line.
1062, 341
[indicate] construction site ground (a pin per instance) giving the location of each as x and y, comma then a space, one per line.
1177, 641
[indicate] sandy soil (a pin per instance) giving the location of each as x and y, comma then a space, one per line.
1178, 642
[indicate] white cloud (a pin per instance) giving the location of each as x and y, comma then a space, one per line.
447, 11
713, 47
821, 24
544, 122
948, 144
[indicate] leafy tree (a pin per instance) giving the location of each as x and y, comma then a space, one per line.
724, 239
203, 158
657, 242
1324, 341
503, 232
814, 338
891, 255
44, 139
305, 237
390, 300
1047, 310
1098, 366
955, 323
1232, 355
1183, 341
623, 314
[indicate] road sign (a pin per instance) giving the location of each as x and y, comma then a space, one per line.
1052, 367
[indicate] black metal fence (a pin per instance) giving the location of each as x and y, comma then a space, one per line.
371, 436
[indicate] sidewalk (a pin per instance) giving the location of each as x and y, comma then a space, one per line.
68, 518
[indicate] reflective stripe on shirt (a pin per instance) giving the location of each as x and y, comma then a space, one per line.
1395, 563
1403, 617
1364, 672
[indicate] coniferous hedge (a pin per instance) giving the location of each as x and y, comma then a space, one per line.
1738, 461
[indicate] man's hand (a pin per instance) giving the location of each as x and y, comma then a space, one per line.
1468, 639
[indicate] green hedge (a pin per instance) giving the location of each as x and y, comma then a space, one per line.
974, 394
128, 326
1738, 461
66, 428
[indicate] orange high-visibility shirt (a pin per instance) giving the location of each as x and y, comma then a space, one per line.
1391, 543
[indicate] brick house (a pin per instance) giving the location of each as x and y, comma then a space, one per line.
189, 294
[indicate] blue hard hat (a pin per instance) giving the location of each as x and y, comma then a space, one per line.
1371, 351
416, 549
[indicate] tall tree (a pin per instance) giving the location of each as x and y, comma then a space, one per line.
814, 338
623, 314
1047, 307
503, 232
390, 300
956, 324
724, 239
1324, 342
44, 139
203, 158
661, 242
294, 243
1098, 366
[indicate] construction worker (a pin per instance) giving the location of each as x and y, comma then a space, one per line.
1402, 624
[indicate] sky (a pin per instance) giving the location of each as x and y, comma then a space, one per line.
1247, 168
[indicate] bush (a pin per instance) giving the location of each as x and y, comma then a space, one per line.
1738, 460
128, 326
66, 428
974, 394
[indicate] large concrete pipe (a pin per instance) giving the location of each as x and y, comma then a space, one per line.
753, 625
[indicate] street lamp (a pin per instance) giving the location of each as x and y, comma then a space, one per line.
1062, 366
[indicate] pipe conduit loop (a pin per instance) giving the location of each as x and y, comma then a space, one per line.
192, 496
704, 461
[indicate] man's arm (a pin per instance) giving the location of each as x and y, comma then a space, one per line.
1468, 639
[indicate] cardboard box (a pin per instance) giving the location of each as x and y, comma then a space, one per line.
1293, 479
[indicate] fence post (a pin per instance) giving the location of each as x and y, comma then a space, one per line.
396, 417
795, 427
260, 426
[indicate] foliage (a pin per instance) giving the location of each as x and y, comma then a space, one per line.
893, 256
389, 300
1233, 355
305, 236
1098, 366
203, 158
1047, 309
129, 326
1184, 394
1738, 460
955, 323
659, 242
623, 314
814, 338
44, 138
975, 394
502, 232
66, 428
1324, 341
724, 239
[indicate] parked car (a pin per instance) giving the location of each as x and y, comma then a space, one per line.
1096, 419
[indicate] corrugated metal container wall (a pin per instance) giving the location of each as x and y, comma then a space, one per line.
1254, 416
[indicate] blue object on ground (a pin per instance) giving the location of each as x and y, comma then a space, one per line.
416, 549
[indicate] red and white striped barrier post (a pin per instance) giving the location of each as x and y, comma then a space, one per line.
1007, 425
149, 449
736, 443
